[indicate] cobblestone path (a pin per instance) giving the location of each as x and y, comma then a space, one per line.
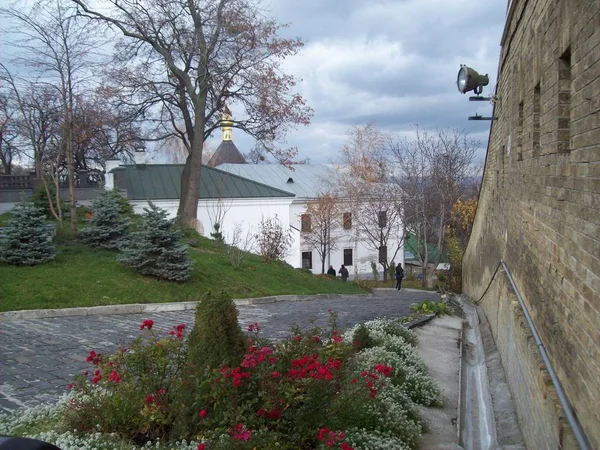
39, 357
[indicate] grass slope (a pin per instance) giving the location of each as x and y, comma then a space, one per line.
81, 276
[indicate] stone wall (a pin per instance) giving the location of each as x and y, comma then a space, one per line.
539, 210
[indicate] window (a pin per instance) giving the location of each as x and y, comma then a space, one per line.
347, 256
305, 223
536, 120
382, 219
564, 102
307, 260
347, 220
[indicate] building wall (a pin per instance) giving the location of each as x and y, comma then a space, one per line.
362, 253
248, 213
539, 210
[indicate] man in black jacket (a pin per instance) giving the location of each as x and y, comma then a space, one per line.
399, 276
331, 272
344, 273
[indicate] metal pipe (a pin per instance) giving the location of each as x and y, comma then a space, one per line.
564, 401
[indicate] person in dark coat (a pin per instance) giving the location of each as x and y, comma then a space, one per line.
344, 273
399, 276
331, 272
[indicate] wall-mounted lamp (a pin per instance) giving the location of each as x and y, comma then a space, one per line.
469, 80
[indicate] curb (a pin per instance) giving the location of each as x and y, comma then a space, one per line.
420, 321
138, 308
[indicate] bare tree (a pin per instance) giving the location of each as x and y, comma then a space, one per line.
273, 239
324, 214
8, 133
363, 179
239, 245
433, 170
58, 47
184, 59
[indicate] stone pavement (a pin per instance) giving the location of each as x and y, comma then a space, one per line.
38, 357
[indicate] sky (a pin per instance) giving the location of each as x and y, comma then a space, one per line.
393, 63
390, 62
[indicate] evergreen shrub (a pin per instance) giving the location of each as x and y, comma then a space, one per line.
26, 241
157, 249
107, 229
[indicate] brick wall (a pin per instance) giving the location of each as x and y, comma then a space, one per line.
539, 210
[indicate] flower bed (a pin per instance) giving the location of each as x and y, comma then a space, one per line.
317, 389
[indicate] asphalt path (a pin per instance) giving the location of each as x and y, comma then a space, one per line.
39, 357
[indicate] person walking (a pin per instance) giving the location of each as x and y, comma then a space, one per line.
331, 272
399, 276
344, 273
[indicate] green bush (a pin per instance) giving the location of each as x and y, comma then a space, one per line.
430, 307
107, 228
216, 338
26, 242
156, 250
39, 198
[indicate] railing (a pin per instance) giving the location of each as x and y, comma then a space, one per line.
15, 182
564, 401
83, 179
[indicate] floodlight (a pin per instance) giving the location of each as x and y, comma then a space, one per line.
469, 80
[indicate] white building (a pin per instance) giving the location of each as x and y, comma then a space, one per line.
241, 195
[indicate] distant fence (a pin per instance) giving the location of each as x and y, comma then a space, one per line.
15, 182
83, 179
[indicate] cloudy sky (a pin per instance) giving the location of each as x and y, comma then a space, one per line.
391, 62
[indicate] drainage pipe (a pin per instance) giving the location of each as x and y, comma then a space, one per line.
564, 401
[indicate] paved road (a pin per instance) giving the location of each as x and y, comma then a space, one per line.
38, 357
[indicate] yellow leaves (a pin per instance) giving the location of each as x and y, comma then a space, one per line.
463, 214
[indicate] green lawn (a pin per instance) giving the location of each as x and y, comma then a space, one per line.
80, 276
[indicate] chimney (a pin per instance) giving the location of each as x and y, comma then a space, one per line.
109, 177
139, 155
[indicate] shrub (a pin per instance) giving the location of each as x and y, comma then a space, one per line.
130, 391
156, 250
216, 233
107, 228
375, 271
26, 242
273, 240
39, 197
430, 307
311, 390
125, 208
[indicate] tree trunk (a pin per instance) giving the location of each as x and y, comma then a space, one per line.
187, 213
70, 170
429, 278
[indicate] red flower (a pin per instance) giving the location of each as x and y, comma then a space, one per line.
354, 381
322, 433
317, 339
240, 433
114, 377
202, 413
336, 338
201, 446
69, 386
172, 333
149, 399
345, 446
275, 374
161, 391
94, 358
254, 327
96, 379
147, 324
383, 369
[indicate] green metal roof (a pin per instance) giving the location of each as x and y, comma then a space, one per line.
163, 181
